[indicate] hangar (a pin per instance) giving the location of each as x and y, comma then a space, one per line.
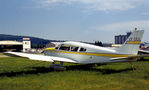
10, 46
15, 45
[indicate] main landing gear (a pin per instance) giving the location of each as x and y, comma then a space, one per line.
57, 67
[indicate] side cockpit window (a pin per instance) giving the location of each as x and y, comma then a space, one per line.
82, 49
64, 47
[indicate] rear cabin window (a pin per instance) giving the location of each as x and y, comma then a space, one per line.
73, 48
64, 47
82, 49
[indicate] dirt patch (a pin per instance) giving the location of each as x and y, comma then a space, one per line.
3, 56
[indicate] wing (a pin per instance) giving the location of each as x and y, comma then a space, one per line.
41, 57
130, 58
143, 51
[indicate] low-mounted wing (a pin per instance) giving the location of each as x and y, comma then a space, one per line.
41, 57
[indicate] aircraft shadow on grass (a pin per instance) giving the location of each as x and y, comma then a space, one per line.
93, 69
41, 70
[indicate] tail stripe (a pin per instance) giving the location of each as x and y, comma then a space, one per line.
133, 42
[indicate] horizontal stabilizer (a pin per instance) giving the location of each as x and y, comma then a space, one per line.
130, 58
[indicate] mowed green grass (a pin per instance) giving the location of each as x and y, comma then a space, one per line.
1, 53
146, 58
23, 74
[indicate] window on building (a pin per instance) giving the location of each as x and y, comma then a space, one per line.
26, 43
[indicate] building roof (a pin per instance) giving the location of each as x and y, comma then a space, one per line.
10, 43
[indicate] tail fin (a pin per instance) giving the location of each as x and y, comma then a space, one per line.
131, 45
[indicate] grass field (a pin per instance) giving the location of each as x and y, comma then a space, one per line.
23, 74
1, 53
146, 58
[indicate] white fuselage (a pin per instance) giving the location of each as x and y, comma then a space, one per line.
92, 53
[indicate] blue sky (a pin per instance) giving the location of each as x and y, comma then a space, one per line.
79, 20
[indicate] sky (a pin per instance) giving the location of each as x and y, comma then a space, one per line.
77, 20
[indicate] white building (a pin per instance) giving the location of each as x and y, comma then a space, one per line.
26, 44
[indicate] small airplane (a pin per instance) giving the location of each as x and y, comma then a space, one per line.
82, 53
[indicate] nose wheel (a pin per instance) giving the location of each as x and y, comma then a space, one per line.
57, 67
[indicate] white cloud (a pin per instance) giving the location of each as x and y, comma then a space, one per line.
100, 5
124, 26
145, 13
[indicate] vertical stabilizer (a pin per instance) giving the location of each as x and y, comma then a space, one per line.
131, 45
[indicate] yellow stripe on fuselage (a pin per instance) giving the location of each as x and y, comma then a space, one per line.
133, 42
49, 49
92, 54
